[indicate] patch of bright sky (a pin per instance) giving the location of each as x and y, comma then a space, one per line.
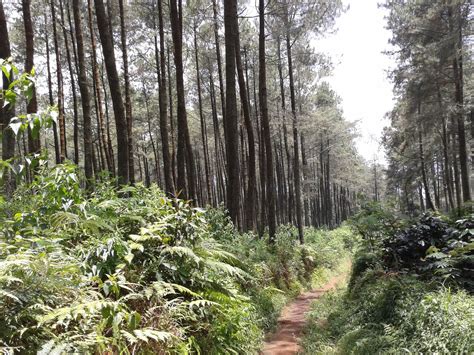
360, 73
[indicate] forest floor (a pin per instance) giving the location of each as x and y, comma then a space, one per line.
285, 340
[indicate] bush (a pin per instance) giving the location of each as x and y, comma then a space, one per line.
106, 273
398, 300
374, 222
434, 249
133, 271
391, 314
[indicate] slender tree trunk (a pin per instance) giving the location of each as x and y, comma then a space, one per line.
218, 56
150, 131
231, 118
76, 69
104, 145
7, 112
429, 201
104, 123
167, 165
250, 208
50, 90
185, 159
73, 85
34, 143
84, 88
172, 125
329, 205
128, 101
296, 159
456, 28
202, 119
270, 189
457, 182
115, 92
220, 170
447, 164
59, 77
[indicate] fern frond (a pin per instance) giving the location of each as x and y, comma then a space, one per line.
228, 269
9, 295
145, 334
201, 304
182, 252
64, 218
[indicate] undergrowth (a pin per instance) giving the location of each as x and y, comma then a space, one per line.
410, 291
133, 271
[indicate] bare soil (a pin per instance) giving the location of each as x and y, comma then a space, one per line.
285, 341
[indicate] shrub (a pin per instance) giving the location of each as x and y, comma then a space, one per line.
397, 300
391, 314
374, 222
133, 271
435, 250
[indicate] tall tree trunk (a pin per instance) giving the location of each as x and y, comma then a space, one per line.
202, 119
171, 121
218, 56
34, 143
270, 189
220, 171
50, 90
456, 28
296, 158
104, 145
106, 125
167, 165
447, 164
84, 88
7, 112
231, 118
250, 208
128, 101
185, 159
115, 92
150, 132
457, 182
429, 201
73, 84
59, 77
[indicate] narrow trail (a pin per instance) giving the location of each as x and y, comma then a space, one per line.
285, 341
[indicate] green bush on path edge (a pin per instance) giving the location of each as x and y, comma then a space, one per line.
398, 302
104, 273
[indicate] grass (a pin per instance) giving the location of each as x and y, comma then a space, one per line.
385, 313
134, 271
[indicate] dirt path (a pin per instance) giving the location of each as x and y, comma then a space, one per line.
292, 320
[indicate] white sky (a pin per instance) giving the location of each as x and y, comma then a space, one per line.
360, 70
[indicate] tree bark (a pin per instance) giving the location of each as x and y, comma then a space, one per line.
167, 166
429, 201
115, 92
456, 28
202, 119
296, 159
59, 77
270, 188
231, 118
34, 143
50, 89
250, 209
84, 89
128, 101
185, 159
105, 147
73, 85
218, 57
7, 112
